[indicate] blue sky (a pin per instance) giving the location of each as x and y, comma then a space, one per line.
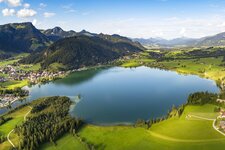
133, 18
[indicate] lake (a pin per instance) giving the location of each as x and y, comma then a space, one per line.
122, 95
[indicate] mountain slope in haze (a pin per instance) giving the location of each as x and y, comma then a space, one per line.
21, 37
80, 51
210, 41
216, 40
183, 41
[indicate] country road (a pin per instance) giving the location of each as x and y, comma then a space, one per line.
8, 136
214, 122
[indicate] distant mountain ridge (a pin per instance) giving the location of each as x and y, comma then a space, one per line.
183, 41
58, 33
209, 41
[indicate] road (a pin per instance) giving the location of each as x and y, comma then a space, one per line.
8, 136
214, 122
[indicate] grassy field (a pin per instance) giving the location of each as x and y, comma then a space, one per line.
13, 84
211, 67
189, 128
67, 142
8, 62
34, 67
18, 118
205, 67
136, 62
175, 133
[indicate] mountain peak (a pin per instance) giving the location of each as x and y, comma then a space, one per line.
57, 29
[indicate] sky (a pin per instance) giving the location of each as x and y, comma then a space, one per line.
132, 18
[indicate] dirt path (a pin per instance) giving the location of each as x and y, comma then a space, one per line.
167, 138
198, 117
8, 136
164, 137
9, 139
214, 122
25, 116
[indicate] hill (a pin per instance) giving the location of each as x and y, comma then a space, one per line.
58, 33
183, 41
209, 41
80, 51
21, 37
216, 40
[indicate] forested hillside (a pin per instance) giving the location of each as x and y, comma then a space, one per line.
80, 51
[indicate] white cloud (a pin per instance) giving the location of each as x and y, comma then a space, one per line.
69, 6
26, 5
25, 13
48, 14
34, 22
14, 3
183, 31
43, 5
8, 12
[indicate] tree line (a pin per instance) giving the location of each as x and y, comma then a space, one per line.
198, 98
48, 121
16, 92
201, 98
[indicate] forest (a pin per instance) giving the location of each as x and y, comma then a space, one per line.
48, 121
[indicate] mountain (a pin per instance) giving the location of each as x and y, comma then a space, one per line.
21, 37
80, 51
58, 33
183, 41
209, 41
115, 38
216, 40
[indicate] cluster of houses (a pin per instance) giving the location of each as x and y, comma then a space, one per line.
2, 79
222, 125
6, 100
33, 77
36, 76
12, 73
222, 122
15, 74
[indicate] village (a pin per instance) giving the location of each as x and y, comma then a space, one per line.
12, 73
7, 100
34, 77
221, 117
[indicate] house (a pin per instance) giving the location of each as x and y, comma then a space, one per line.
222, 114
222, 125
220, 100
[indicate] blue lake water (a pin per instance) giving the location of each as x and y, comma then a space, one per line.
123, 95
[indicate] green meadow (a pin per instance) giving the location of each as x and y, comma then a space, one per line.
175, 134
17, 119
67, 142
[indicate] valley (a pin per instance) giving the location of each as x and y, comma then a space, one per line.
80, 90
